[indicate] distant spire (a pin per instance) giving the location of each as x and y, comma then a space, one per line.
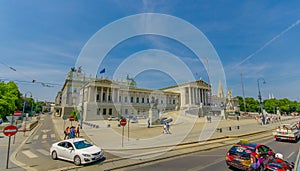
220, 90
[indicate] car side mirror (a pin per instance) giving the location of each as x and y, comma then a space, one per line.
71, 148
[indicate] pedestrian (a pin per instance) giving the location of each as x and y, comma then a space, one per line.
72, 133
69, 132
168, 128
148, 123
1, 121
165, 128
66, 133
77, 133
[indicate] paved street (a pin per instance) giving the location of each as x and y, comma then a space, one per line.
30, 151
199, 161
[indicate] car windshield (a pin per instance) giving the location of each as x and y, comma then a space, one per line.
242, 151
82, 144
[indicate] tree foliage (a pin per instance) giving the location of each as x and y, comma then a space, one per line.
76, 114
10, 99
270, 105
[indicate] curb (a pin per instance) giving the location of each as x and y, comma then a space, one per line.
14, 154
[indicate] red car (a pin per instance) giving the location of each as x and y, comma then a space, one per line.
249, 156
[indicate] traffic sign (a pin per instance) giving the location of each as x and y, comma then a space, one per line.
123, 122
10, 130
71, 118
17, 113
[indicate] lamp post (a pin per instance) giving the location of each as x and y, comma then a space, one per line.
23, 111
243, 92
260, 102
82, 103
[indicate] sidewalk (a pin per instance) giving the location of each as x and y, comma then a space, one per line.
144, 143
184, 130
16, 142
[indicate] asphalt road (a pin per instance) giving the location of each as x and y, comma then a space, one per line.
35, 152
214, 160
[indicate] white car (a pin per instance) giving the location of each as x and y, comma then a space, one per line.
77, 150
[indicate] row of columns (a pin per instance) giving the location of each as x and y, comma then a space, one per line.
113, 94
194, 96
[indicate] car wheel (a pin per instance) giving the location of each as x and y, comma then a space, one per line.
261, 168
54, 155
77, 160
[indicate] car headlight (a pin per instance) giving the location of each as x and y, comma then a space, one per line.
86, 155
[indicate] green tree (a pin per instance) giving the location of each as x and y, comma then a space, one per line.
10, 99
76, 114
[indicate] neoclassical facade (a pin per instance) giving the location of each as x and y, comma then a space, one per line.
103, 97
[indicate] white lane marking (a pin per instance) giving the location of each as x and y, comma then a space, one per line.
29, 154
46, 130
36, 137
197, 168
44, 136
52, 135
292, 153
43, 151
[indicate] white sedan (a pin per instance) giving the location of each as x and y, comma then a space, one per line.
77, 150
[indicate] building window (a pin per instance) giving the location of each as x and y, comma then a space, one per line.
126, 111
125, 99
147, 100
120, 99
97, 97
109, 98
162, 102
131, 100
110, 111
174, 101
137, 100
143, 100
104, 112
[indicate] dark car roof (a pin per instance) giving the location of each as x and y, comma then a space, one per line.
253, 145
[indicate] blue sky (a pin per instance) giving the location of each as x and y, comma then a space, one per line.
42, 40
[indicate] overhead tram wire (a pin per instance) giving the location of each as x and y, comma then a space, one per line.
44, 84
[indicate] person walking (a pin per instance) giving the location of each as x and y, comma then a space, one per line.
66, 133
77, 133
72, 133
168, 128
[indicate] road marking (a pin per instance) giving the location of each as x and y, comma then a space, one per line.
44, 136
290, 155
43, 151
52, 135
29, 154
35, 137
197, 168
46, 130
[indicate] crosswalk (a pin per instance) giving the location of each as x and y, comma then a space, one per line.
41, 138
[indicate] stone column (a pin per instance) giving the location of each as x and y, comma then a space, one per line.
190, 95
107, 94
101, 95
112, 94
118, 95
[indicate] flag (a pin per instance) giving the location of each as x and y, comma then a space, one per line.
102, 71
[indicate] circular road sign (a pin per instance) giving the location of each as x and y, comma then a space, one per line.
10, 130
71, 118
123, 122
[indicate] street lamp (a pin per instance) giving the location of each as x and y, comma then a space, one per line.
23, 111
260, 102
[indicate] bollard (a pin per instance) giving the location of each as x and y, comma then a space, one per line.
229, 128
238, 127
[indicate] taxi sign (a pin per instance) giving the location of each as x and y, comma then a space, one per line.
10, 130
